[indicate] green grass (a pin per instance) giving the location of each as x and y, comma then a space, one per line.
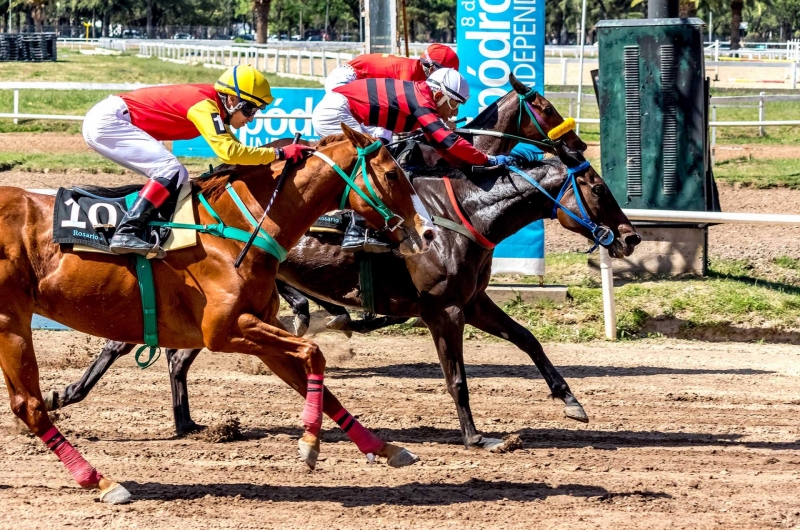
759, 173
778, 110
87, 162
734, 294
76, 67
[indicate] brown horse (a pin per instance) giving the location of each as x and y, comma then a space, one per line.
454, 275
202, 300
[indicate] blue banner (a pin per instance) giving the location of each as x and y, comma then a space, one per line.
496, 38
260, 131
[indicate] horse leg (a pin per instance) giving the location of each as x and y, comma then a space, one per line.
292, 374
251, 335
78, 390
21, 373
179, 362
299, 304
447, 328
368, 325
484, 314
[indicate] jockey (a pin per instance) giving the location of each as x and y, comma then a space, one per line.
383, 65
379, 107
128, 129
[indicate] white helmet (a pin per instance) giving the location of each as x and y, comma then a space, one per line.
451, 84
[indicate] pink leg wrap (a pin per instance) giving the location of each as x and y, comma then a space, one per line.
312, 412
360, 435
81, 470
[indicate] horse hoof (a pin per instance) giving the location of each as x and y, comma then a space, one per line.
300, 327
115, 494
399, 456
51, 401
309, 452
189, 428
575, 411
339, 323
493, 445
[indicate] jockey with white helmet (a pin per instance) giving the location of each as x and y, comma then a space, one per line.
379, 107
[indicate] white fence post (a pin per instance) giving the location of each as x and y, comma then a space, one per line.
794, 75
324, 64
609, 305
713, 135
563, 72
761, 113
16, 105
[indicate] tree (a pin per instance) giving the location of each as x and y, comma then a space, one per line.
261, 8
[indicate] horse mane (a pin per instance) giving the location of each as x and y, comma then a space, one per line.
213, 185
488, 117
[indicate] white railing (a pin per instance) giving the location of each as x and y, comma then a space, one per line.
297, 63
607, 268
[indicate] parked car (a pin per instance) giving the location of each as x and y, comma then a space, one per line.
243, 36
182, 36
314, 38
296, 37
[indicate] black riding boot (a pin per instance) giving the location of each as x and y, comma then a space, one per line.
128, 236
357, 237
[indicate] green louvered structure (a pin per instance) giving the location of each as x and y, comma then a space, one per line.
653, 98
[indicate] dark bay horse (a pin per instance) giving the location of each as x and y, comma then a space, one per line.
202, 300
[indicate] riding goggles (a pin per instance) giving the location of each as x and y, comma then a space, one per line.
248, 109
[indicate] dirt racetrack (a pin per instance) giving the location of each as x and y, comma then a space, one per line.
682, 435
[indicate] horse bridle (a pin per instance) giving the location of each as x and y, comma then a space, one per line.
602, 235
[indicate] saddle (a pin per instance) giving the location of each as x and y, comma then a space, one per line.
87, 217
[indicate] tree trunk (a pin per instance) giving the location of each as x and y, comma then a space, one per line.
151, 34
106, 23
262, 19
736, 20
28, 20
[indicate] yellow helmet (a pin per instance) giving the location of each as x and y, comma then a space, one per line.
246, 83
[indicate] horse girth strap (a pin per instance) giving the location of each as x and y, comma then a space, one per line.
361, 164
459, 228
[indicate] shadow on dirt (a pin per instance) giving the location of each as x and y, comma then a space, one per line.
434, 371
413, 494
551, 438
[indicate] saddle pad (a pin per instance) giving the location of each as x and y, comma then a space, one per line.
330, 223
83, 220
88, 239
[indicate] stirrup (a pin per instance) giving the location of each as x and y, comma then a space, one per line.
156, 250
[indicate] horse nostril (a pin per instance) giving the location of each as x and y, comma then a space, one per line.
429, 234
632, 240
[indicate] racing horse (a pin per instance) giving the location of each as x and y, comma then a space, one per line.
202, 300
458, 273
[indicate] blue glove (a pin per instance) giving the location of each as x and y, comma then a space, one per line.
501, 160
527, 153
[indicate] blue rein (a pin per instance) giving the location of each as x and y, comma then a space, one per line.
601, 234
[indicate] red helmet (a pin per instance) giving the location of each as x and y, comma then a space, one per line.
440, 56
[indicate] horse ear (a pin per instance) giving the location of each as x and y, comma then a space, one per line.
355, 137
518, 87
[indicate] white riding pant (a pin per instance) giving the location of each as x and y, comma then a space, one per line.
108, 130
334, 110
340, 76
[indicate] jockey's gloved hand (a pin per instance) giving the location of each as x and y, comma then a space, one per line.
501, 160
293, 152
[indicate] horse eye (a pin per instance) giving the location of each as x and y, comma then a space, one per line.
548, 110
597, 189
391, 175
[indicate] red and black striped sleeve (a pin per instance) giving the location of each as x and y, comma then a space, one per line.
445, 140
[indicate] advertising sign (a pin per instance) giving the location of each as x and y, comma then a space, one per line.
496, 38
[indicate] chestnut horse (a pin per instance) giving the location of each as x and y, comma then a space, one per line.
202, 300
